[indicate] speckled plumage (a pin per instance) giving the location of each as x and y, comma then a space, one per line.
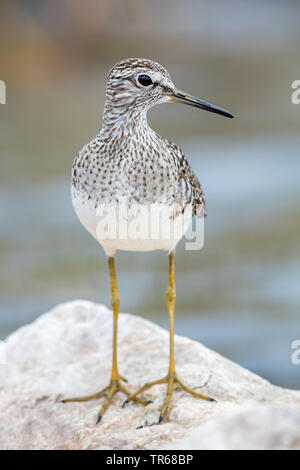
127, 159
126, 175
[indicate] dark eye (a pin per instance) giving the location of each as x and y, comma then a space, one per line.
144, 80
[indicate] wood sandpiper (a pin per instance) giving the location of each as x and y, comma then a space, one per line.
128, 161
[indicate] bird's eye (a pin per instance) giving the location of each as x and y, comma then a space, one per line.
144, 80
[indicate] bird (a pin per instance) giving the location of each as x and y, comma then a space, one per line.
127, 168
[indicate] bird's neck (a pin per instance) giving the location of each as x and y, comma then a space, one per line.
131, 123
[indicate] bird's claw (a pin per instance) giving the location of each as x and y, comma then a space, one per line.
171, 380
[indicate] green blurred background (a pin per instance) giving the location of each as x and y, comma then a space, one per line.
240, 295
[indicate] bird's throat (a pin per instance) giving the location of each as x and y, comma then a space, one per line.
132, 123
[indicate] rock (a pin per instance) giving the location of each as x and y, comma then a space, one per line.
67, 352
246, 427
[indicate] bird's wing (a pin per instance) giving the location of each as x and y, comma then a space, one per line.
188, 182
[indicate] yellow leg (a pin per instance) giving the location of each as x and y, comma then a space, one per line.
171, 379
170, 298
115, 381
115, 304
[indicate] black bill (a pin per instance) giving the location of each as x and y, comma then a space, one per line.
181, 97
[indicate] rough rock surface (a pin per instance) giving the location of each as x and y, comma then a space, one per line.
68, 352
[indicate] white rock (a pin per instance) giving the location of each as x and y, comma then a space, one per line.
67, 352
246, 427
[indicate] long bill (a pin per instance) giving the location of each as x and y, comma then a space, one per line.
181, 97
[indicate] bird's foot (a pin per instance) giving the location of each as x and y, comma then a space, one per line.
108, 392
172, 381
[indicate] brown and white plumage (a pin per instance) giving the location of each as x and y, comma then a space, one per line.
127, 159
128, 165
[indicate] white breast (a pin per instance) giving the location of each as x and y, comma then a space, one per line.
133, 227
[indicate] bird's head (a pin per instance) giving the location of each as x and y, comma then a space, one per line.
139, 84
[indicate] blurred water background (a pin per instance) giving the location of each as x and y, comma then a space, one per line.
240, 295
